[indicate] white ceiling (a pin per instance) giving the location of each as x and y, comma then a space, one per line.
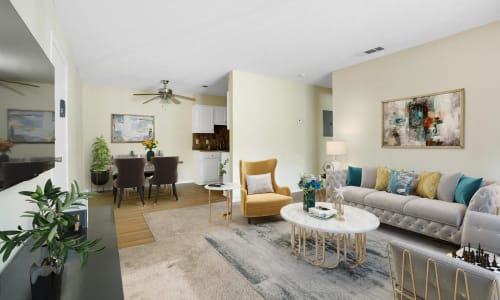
192, 43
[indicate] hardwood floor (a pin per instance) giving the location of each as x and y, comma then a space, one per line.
131, 227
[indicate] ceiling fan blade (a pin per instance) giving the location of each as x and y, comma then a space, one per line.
175, 100
151, 94
10, 88
184, 97
21, 83
150, 100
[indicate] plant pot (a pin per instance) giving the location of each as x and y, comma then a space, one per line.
46, 282
4, 157
99, 177
150, 154
309, 200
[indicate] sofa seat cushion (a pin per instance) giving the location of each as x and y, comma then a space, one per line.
356, 194
449, 213
267, 199
388, 201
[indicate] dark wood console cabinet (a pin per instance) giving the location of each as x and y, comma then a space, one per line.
100, 279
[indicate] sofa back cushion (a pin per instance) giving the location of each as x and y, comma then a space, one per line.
427, 184
382, 181
447, 186
466, 188
368, 177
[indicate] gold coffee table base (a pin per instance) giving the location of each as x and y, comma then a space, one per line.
349, 242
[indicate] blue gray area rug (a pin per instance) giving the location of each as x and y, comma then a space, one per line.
262, 254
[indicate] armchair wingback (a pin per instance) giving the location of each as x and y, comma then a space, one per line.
266, 204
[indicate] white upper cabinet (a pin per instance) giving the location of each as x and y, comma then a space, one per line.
203, 119
220, 115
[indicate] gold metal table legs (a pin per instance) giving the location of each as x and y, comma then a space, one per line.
228, 215
354, 244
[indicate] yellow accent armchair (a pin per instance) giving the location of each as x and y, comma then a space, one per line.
267, 204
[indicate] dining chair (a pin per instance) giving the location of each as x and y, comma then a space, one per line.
130, 175
165, 173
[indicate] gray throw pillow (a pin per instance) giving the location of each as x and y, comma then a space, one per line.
259, 184
368, 177
447, 186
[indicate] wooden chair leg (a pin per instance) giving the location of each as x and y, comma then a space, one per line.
114, 195
249, 220
149, 192
175, 191
120, 197
157, 192
141, 193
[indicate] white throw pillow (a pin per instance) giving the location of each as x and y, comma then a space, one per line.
259, 184
447, 186
368, 177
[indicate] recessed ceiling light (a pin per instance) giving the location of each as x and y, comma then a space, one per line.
301, 75
204, 86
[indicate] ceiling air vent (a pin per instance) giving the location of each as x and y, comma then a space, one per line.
373, 50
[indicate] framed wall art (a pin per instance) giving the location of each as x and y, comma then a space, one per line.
131, 128
427, 121
30, 126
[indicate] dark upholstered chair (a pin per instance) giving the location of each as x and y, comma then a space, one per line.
130, 175
165, 173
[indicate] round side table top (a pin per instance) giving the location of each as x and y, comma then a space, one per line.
223, 187
356, 220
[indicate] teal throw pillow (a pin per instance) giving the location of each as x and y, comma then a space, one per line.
400, 182
466, 188
354, 176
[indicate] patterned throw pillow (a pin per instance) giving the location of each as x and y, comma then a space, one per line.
400, 182
428, 183
382, 180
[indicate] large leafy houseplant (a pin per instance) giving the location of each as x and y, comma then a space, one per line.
51, 227
101, 160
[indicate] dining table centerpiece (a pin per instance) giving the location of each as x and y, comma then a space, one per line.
309, 185
5, 146
150, 144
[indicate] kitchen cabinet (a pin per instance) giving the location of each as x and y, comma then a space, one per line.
220, 115
206, 166
203, 119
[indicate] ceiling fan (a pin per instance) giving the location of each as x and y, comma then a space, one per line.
166, 94
5, 84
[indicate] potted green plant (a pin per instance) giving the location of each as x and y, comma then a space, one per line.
52, 233
101, 160
222, 170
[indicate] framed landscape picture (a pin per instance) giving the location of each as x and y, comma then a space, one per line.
131, 128
30, 126
426, 121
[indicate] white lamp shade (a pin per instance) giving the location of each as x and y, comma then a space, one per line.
335, 148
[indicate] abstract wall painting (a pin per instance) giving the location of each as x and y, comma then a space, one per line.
426, 121
30, 126
131, 128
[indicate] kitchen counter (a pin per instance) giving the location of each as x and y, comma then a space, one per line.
201, 150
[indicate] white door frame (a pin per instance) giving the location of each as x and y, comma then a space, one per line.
61, 169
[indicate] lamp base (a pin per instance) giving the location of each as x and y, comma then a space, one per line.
337, 165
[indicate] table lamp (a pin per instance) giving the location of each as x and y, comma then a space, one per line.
335, 148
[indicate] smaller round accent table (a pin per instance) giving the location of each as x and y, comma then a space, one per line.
225, 187
357, 222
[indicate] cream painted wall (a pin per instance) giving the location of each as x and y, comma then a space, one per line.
172, 124
39, 16
467, 60
275, 118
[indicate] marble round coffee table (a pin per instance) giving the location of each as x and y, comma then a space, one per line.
357, 222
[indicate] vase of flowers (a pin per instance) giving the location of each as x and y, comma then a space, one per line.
310, 184
150, 144
5, 146
222, 170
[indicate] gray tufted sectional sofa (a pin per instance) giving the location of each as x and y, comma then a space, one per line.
435, 218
